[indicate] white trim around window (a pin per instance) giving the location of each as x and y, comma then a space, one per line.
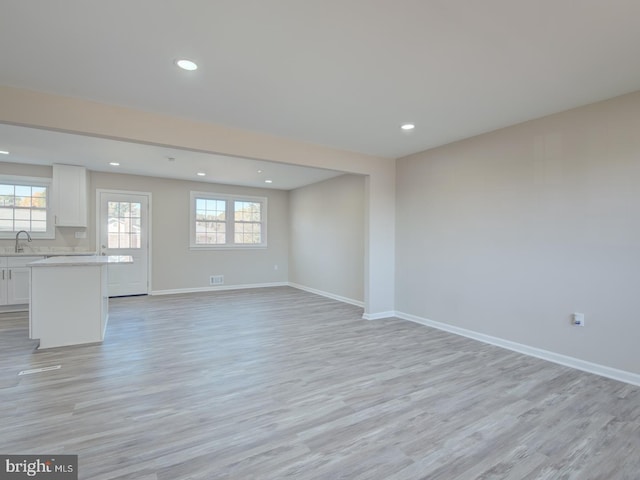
35, 219
223, 221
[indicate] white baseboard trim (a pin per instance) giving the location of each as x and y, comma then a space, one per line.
378, 316
332, 296
597, 369
217, 288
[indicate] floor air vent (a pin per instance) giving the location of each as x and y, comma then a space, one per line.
38, 370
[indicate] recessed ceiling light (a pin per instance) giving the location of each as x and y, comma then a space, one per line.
268, 181
4, 152
407, 127
114, 164
201, 174
259, 171
185, 64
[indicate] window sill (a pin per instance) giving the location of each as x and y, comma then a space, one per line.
227, 247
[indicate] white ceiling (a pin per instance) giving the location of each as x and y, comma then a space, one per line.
341, 73
44, 147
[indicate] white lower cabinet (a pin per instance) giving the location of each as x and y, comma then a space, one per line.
14, 280
4, 280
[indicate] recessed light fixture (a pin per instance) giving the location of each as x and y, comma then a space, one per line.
268, 181
185, 64
407, 127
4, 152
201, 174
114, 164
259, 171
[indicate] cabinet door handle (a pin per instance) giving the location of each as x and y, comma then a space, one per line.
3, 274
9, 274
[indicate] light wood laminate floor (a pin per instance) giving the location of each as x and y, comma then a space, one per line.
279, 383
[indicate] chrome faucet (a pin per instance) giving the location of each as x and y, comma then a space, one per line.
19, 248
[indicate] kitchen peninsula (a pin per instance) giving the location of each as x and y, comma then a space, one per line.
69, 302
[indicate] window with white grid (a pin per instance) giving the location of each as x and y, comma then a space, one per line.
223, 221
24, 205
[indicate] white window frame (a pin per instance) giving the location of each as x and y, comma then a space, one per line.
50, 233
229, 199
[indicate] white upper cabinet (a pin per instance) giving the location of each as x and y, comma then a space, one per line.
70, 195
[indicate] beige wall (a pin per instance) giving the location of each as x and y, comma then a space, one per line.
327, 227
35, 109
174, 266
509, 233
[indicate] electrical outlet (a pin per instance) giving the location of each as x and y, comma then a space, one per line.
577, 319
216, 280
81, 234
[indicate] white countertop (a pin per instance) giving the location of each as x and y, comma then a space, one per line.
43, 252
81, 261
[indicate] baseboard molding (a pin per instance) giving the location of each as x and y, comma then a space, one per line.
218, 288
378, 316
602, 370
332, 296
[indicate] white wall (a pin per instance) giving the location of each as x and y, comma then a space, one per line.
510, 232
327, 225
174, 266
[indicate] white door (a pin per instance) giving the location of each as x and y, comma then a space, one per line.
123, 229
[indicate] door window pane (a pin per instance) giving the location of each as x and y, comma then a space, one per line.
123, 224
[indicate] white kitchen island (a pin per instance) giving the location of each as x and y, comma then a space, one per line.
69, 303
